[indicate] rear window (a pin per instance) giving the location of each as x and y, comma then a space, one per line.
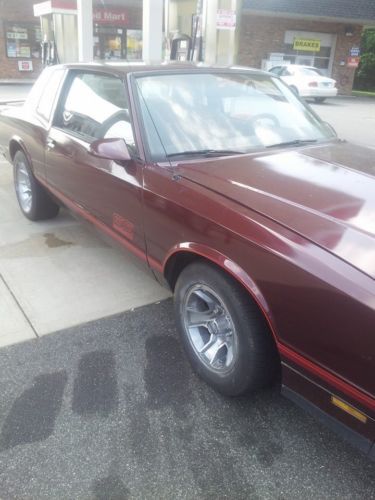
309, 71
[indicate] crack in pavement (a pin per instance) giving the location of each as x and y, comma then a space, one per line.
19, 305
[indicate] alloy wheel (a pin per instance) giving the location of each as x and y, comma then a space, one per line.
23, 186
210, 328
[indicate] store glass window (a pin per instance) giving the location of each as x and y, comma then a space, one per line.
22, 40
109, 43
133, 44
295, 53
318, 59
113, 43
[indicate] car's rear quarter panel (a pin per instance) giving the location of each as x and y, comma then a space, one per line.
21, 129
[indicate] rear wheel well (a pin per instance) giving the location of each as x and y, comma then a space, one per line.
14, 146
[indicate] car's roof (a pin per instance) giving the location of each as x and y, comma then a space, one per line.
143, 67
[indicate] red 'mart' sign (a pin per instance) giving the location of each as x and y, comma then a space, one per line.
112, 16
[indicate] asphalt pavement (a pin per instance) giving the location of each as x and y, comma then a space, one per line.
353, 118
112, 410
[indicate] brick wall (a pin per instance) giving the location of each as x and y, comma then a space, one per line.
20, 11
260, 35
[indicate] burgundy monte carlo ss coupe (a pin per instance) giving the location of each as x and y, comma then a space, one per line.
237, 197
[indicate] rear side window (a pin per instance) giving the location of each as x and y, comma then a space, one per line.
276, 70
48, 94
37, 89
95, 107
285, 72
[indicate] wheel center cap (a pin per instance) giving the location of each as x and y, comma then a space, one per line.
219, 326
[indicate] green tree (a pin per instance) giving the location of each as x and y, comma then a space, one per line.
365, 76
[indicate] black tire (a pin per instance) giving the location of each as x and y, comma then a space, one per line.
319, 100
36, 204
252, 362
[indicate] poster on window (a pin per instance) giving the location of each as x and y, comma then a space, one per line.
225, 19
25, 66
11, 49
17, 35
24, 51
22, 40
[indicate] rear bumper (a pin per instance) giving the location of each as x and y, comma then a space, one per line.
318, 92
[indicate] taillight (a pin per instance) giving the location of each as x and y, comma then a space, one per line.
313, 84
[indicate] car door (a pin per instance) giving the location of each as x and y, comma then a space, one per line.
92, 106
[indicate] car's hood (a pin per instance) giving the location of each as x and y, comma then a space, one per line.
325, 193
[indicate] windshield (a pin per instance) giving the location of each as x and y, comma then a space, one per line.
225, 112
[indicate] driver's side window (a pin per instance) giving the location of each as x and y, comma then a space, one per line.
95, 107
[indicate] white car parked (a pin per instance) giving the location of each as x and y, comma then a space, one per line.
306, 81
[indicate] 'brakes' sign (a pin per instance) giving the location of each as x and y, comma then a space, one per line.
309, 44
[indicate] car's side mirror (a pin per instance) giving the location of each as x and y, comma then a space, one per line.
110, 149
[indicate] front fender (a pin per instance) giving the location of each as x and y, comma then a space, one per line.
228, 265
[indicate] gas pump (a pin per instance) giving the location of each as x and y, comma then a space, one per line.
58, 22
49, 53
181, 48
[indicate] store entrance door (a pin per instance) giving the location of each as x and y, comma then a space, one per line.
109, 42
305, 60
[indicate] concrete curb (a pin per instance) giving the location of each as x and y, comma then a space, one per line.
17, 82
11, 102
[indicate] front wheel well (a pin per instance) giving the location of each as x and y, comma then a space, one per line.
219, 322
180, 260
176, 264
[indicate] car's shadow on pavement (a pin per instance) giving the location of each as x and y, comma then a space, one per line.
111, 409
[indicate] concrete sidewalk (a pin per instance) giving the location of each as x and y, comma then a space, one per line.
57, 274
